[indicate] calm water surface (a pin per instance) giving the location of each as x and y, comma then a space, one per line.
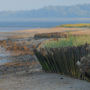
13, 26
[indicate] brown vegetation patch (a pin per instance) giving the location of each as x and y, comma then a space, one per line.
83, 32
21, 63
50, 35
16, 47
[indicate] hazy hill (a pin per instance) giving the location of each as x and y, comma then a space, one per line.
78, 11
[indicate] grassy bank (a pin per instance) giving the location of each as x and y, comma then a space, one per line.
82, 25
61, 55
62, 60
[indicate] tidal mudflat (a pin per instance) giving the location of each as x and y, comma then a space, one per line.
20, 68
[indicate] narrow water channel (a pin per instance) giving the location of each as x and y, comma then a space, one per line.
3, 56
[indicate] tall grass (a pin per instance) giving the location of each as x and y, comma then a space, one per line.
62, 60
70, 41
60, 56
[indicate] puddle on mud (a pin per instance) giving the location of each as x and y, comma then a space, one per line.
4, 61
3, 56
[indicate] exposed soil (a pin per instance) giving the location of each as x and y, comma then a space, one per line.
41, 81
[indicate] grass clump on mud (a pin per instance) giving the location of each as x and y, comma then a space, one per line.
61, 56
62, 60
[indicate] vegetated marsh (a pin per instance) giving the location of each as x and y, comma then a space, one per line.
69, 41
82, 25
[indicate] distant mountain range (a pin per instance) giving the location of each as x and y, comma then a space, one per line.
78, 11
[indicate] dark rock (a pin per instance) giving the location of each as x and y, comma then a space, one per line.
61, 78
85, 66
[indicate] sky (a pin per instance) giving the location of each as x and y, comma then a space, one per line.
14, 5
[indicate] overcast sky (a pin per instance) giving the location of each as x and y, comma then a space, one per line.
35, 4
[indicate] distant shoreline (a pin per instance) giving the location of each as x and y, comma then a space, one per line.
44, 20
38, 23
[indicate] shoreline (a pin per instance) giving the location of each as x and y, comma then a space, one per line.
32, 32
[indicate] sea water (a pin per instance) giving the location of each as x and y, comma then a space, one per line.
14, 26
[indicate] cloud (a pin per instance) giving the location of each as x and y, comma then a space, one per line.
34, 4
